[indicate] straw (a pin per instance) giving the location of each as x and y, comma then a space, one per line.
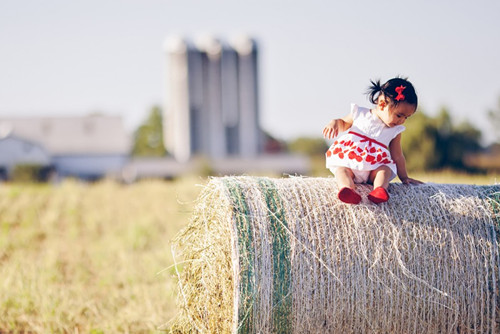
264, 255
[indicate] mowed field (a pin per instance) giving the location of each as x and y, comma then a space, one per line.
95, 257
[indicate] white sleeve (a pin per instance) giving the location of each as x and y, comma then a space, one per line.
354, 111
357, 111
397, 130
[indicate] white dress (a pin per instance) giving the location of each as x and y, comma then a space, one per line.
364, 146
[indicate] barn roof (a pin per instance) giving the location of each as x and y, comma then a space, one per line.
94, 134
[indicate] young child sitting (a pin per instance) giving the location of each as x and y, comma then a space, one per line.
367, 147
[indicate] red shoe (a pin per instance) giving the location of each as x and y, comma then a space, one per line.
378, 195
347, 195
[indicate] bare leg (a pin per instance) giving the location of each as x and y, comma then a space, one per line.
380, 177
347, 194
344, 177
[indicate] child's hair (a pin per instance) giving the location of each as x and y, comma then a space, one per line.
393, 92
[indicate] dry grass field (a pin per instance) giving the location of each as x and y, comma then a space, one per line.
95, 258
90, 258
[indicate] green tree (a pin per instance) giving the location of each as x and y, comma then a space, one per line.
419, 143
436, 143
464, 139
148, 138
444, 138
308, 146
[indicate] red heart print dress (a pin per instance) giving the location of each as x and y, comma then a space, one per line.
365, 146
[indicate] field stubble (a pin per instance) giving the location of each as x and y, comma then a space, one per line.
90, 258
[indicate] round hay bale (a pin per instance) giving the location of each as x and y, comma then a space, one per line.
266, 255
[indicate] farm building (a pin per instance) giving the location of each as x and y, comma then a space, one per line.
86, 147
17, 151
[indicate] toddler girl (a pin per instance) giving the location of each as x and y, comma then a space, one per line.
367, 147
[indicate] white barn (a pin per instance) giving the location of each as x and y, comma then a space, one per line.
87, 147
17, 151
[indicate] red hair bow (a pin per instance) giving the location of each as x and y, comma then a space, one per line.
400, 90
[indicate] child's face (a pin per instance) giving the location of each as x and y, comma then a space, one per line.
393, 115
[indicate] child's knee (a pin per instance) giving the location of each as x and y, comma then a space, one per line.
385, 170
382, 171
343, 171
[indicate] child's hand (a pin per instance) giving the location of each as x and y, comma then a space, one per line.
409, 180
337, 125
331, 130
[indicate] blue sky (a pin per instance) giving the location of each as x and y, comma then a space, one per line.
60, 57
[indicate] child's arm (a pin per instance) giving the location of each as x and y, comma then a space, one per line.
335, 126
399, 159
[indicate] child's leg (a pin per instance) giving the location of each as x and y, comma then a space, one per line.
380, 178
344, 177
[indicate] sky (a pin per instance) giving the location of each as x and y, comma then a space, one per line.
73, 58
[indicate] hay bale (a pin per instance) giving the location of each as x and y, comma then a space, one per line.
268, 255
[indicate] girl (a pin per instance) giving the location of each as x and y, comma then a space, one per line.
367, 147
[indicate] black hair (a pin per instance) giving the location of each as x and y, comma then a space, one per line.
390, 91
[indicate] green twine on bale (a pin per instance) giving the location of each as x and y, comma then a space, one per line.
246, 258
278, 228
